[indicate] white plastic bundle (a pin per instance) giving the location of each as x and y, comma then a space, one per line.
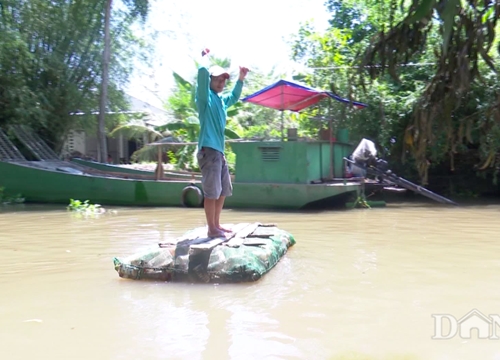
364, 150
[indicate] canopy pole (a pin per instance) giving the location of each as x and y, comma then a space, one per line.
282, 111
282, 129
331, 147
330, 134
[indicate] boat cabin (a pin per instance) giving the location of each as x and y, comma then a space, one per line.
290, 162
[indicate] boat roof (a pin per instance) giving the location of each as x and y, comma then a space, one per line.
287, 95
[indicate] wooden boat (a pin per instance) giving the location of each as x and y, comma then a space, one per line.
247, 254
111, 169
59, 181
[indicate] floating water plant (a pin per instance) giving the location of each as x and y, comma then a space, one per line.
85, 207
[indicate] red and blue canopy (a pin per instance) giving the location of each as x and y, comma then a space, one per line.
286, 95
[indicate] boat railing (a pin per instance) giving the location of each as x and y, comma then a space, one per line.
8, 151
34, 143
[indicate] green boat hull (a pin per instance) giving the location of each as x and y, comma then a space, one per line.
63, 183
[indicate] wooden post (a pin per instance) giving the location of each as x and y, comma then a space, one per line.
330, 134
159, 167
330, 125
120, 148
101, 128
282, 127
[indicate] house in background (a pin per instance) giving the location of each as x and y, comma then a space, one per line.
81, 144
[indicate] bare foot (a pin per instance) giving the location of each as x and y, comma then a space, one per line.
224, 229
216, 234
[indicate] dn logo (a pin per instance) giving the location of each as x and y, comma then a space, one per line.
447, 326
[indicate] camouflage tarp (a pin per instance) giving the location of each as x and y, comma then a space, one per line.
250, 252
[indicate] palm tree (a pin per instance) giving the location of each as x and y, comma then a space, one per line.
139, 129
138, 8
183, 134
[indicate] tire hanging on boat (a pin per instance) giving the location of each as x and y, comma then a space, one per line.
187, 190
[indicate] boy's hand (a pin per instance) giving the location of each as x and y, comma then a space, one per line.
243, 73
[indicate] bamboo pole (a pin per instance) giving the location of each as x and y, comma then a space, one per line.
159, 167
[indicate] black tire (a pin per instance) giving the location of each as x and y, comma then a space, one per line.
196, 190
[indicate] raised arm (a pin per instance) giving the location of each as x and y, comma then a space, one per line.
231, 98
203, 82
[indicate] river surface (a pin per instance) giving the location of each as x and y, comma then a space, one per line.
359, 284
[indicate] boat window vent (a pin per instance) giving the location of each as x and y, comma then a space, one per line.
270, 153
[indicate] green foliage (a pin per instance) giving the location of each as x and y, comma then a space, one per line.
258, 122
85, 207
422, 116
142, 132
50, 64
459, 37
360, 202
138, 8
230, 158
172, 157
181, 102
137, 129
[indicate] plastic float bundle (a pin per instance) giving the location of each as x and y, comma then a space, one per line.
251, 251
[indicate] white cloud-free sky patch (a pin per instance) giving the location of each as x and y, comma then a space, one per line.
250, 33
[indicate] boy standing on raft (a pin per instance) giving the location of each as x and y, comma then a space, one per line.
212, 107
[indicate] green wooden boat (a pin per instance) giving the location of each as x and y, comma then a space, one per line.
110, 168
269, 175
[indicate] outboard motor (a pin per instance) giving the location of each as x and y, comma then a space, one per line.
364, 162
365, 155
365, 151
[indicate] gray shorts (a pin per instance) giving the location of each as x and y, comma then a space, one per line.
215, 173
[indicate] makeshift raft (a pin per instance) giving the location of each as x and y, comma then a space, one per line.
249, 252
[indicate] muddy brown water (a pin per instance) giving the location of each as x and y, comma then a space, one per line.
359, 284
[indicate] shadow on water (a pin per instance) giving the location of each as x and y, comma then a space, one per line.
410, 197
30, 207
334, 203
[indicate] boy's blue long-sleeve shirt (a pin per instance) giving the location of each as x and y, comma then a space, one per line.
212, 110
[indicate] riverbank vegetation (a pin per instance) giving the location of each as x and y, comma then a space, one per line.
51, 64
427, 70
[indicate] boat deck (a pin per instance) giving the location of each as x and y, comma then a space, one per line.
77, 169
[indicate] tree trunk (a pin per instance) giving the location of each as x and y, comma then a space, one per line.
103, 156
